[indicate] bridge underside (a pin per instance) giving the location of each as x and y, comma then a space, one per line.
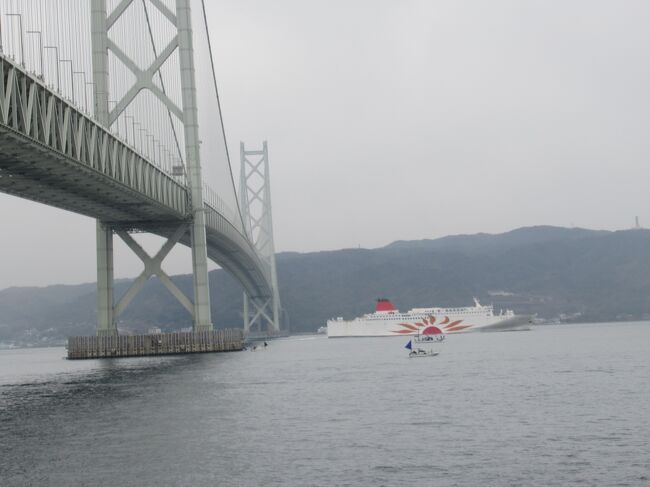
226, 254
36, 172
33, 171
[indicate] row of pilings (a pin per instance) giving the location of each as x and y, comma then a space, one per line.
89, 347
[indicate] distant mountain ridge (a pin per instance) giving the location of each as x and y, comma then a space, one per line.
583, 275
487, 242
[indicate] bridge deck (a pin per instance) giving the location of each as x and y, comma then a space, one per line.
53, 153
32, 171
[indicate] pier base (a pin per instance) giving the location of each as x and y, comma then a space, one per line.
89, 347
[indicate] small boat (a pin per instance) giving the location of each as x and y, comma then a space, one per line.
419, 352
429, 338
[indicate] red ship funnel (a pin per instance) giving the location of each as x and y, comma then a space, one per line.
384, 305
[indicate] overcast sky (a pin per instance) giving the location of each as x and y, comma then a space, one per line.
409, 119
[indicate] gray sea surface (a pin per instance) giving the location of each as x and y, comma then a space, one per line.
555, 406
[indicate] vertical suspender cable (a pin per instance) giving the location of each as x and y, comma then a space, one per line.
162, 83
216, 91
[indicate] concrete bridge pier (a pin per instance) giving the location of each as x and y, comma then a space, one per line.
106, 325
202, 317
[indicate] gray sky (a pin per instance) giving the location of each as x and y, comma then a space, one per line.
409, 119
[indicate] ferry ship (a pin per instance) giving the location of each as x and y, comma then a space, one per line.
389, 321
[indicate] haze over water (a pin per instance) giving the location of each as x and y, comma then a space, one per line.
559, 405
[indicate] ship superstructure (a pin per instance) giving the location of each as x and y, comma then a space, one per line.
389, 321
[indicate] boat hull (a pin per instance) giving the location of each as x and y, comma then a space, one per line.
386, 328
430, 353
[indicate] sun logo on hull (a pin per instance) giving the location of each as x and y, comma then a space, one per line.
427, 326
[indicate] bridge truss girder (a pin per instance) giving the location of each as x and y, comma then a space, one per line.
87, 169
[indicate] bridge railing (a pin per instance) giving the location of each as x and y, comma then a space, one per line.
29, 108
221, 218
217, 203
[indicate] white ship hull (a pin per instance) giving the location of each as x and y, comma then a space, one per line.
425, 321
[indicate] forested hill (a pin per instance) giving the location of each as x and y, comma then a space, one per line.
585, 275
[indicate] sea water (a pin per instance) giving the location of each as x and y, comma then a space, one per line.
558, 405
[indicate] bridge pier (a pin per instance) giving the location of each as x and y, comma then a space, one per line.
158, 344
202, 318
107, 311
259, 226
106, 325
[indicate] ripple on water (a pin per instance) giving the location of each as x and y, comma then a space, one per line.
545, 408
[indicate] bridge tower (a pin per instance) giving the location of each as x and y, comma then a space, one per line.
147, 79
260, 313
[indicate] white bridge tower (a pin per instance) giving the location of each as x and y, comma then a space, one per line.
149, 78
261, 314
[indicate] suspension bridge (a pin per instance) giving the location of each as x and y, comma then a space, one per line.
110, 109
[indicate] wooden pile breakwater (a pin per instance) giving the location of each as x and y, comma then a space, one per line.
86, 347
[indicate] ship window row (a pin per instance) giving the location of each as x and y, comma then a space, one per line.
420, 316
448, 312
